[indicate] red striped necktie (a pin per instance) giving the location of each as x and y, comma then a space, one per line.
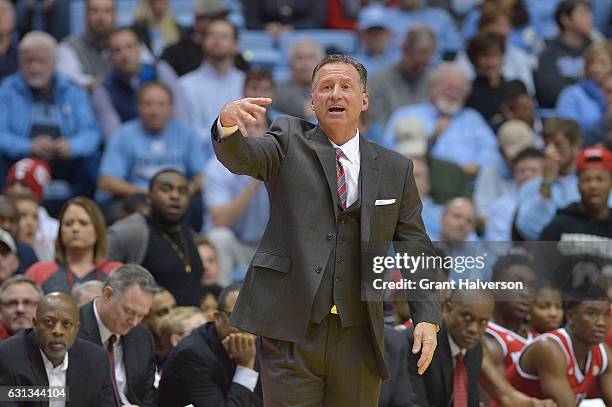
111, 359
460, 383
341, 180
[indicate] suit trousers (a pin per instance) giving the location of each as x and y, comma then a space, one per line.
332, 367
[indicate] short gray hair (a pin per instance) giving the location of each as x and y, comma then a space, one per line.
129, 274
93, 286
20, 279
38, 39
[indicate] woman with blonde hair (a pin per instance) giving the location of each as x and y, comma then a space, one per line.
156, 25
80, 249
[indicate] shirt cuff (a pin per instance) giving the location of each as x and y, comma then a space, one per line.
225, 131
246, 377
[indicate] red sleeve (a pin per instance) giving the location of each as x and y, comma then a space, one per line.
41, 271
108, 266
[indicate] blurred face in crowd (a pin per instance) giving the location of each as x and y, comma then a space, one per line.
567, 152
489, 62
527, 169
9, 262
338, 98
594, 186
9, 218
7, 18
450, 92
210, 263
163, 303
121, 313
208, 306
159, 7
258, 88
28, 220
169, 197
124, 52
223, 314
375, 40
502, 26
101, 16
220, 41
418, 57
18, 306
37, 64
458, 220
579, 21
305, 55
467, 316
590, 321
409, 4
517, 306
546, 310
421, 176
521, 108
598, 67
155, 108
77, 230
56, 325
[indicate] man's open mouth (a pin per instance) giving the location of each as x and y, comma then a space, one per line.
336, 109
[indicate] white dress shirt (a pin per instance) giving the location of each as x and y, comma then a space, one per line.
120, 374
56, 376
351, 162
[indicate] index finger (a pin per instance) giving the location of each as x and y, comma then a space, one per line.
260, 101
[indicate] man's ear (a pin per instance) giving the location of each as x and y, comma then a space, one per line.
365, 102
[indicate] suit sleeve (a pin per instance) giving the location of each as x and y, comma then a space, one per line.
199, 386
403, 394
148, 398
6, 379
416, 380
410, 237
259, 157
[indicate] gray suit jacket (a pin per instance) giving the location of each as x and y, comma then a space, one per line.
297, 163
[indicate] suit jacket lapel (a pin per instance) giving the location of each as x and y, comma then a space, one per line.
369, 179
37, 365
89, 325
74, 376
129, 361
327, 157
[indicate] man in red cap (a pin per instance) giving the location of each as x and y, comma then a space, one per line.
25, 184
591, 216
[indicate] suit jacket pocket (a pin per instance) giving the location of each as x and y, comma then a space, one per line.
271, 261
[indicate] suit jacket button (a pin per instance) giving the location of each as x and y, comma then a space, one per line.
318, 269
330, 236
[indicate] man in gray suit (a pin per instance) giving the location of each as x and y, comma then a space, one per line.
332, 195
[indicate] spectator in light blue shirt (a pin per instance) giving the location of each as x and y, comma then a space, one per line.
153, 142
216, 82
456, 133
412, 12
585, 102
539, 199
375, 36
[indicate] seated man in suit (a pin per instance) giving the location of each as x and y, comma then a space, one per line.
214, 366
51, 355
460, 363
113, 321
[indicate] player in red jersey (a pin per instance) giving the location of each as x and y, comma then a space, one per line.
567, 363
508, 332
546, 309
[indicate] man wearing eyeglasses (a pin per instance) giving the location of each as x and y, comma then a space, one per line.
214, 365
19, 297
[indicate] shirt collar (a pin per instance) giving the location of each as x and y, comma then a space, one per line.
105, 333
49, 366
454, 348
350, 149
